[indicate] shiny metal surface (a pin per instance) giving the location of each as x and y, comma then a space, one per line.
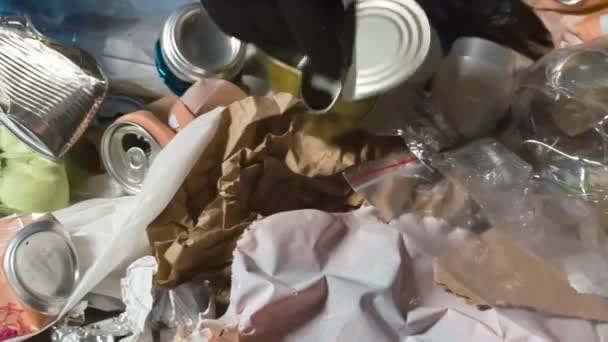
127, 151
570, 2
49, 92
393, 38
192, 46
41, 266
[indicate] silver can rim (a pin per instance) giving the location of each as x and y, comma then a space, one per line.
570, 2
51, 308
179, 64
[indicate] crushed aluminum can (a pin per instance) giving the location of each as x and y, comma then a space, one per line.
49, 92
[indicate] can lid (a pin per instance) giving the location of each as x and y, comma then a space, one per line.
127, 151
393, 39
41, 266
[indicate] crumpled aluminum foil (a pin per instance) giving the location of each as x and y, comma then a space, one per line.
109, 330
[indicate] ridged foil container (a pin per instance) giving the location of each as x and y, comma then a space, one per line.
49, 92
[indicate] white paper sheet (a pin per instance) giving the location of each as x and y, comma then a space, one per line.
313, 276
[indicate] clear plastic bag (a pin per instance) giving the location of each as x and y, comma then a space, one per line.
400, 184
564, 230
562, 107
562, 103
389, 184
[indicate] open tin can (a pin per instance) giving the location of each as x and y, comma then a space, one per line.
129, 146
191, 47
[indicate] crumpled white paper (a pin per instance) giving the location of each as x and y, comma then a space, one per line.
313, 276
162, 314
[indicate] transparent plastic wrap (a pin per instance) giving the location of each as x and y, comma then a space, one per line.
400, 184
49, 92
563, 104
563, 230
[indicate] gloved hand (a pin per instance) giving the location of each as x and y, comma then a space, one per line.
321, 29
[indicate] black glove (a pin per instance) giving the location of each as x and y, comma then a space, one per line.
321, 29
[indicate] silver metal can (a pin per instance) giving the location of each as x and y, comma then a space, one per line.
41, 266
393, 39
49, 91
127, 151
192, 46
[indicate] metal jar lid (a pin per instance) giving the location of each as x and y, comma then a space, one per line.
127, 151
41, 266
193, 47
393, 38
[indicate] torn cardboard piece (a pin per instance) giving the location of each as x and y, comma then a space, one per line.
259, 162
493, 270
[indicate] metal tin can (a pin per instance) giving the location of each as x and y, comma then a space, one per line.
191, 46
129, 146
41, 266
39, 273
393, 39
50, 91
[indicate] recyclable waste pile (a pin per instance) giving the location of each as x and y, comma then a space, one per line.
372, 170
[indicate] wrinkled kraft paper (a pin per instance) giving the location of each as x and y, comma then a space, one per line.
258, 163
506, 275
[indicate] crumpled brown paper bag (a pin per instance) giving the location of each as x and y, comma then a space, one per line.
258, 163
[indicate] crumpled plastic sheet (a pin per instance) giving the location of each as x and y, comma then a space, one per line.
562, 105
400, 183
358, 279
561, 229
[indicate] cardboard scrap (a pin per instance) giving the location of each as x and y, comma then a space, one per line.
493, 270
259, 162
